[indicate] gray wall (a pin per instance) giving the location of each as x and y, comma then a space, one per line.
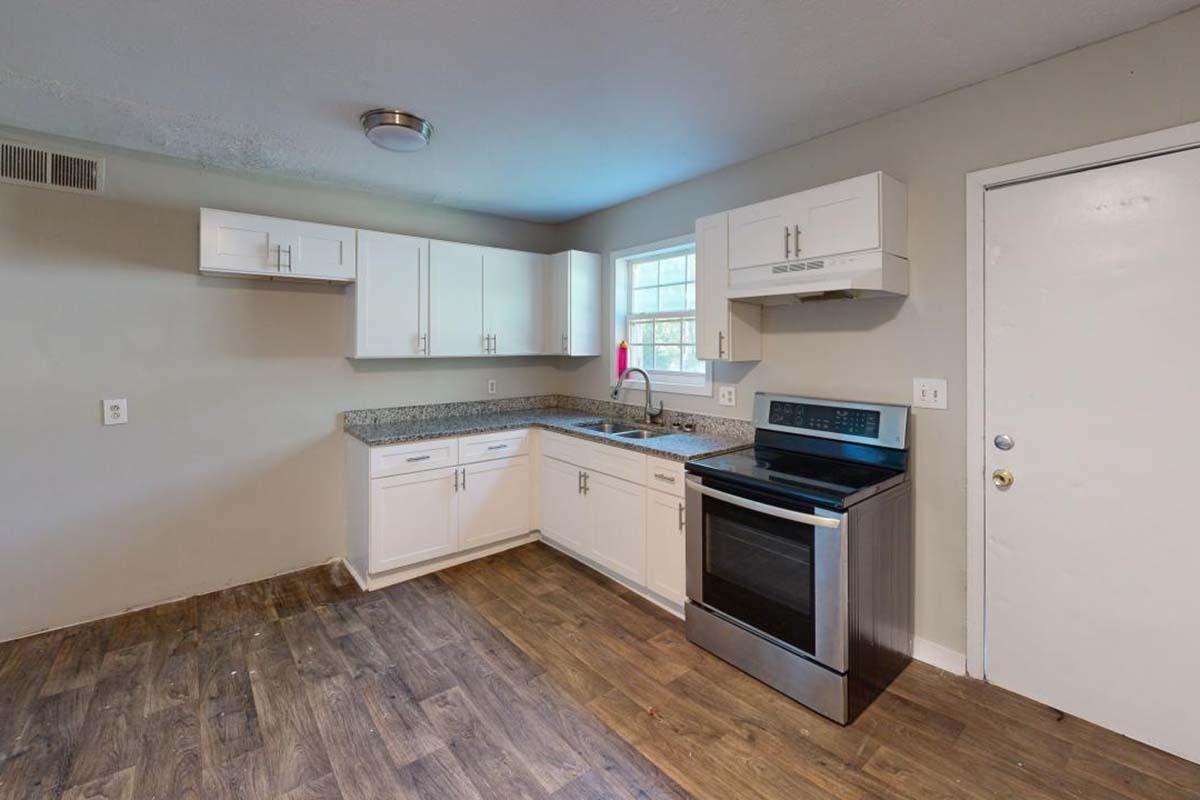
871, 349
231, 467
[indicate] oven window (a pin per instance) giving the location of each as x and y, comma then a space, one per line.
758, 569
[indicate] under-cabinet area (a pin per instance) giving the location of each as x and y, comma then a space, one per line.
417, 507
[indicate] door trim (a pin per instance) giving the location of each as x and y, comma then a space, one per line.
1183, 137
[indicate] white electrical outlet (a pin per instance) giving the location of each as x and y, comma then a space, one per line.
727, 395
491, 385
929, 393
115, 412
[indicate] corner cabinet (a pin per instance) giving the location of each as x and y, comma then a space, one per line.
574, 302
725, 330
248, 245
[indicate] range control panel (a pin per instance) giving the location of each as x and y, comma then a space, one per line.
827, 419
843, 420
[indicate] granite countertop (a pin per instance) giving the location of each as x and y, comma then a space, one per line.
674, 446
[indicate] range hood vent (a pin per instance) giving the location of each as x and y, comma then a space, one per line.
873, 273
27, 165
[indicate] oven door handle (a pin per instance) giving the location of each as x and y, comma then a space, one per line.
752, 505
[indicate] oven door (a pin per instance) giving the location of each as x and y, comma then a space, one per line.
779, 570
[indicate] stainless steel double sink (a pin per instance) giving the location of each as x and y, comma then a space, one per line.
621, 430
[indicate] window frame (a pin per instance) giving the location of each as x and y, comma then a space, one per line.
621, 261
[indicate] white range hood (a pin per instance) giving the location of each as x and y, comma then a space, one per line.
874, 273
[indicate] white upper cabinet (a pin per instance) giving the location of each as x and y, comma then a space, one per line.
573, 327
515, 295
725, 331
388, 306
456, 299
856, 215
267, 247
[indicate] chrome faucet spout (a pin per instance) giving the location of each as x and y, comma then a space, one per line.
651, 416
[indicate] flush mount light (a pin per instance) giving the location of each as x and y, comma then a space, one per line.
396, 130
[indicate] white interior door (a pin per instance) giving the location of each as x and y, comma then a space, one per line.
1092, 554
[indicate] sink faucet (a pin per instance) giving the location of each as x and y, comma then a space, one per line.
651, 416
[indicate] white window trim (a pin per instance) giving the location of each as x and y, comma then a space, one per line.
618, 292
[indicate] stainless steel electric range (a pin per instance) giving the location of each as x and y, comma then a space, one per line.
800, 551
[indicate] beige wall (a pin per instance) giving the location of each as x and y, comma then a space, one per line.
231, 467
871, 349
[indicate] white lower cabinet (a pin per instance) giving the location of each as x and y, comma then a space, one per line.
564, 506
494, 501
617, 518
434, 503
413, 518
665, 539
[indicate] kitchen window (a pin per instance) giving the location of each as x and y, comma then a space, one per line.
656, 314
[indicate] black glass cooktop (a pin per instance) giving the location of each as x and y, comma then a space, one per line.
817, 479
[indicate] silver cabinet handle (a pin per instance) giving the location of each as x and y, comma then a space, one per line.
498, 447
279, 258
664, 477
682, 520
456, 480
565, 349
796, 239
720, 344
579, 482
289, 249
422, 344
787, 242
585, 481
417, 458
464, 478
495, 347
762, 508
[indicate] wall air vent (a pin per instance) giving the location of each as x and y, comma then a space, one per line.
33, 166
799, 266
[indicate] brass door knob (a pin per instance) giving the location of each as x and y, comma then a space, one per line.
1002, 478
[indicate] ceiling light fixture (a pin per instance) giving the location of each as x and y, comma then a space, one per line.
396, 130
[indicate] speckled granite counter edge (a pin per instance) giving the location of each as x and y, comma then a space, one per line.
704, 442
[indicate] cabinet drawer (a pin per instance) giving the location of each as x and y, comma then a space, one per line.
664, 476
398, 459
564, 448
490, 446
614, 461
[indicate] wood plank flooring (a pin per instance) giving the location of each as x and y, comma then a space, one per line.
523, 675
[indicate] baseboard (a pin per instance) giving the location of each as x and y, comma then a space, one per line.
939, 656
354, 574
169, 600
374, 582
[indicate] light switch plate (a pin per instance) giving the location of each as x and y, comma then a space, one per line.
727, 395
491, 385
929, 393
115, 411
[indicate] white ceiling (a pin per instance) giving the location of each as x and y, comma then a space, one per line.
542, 109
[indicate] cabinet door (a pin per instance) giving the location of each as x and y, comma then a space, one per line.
558, 324
584, 303
839, 218
665, 556
494, 502
242, 243
712, 282
320, 252
563, 513
761, 233
388, 302
617, 510
514, 301
455, 299
413, 518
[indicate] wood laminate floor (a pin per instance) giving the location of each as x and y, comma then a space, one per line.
523, 675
